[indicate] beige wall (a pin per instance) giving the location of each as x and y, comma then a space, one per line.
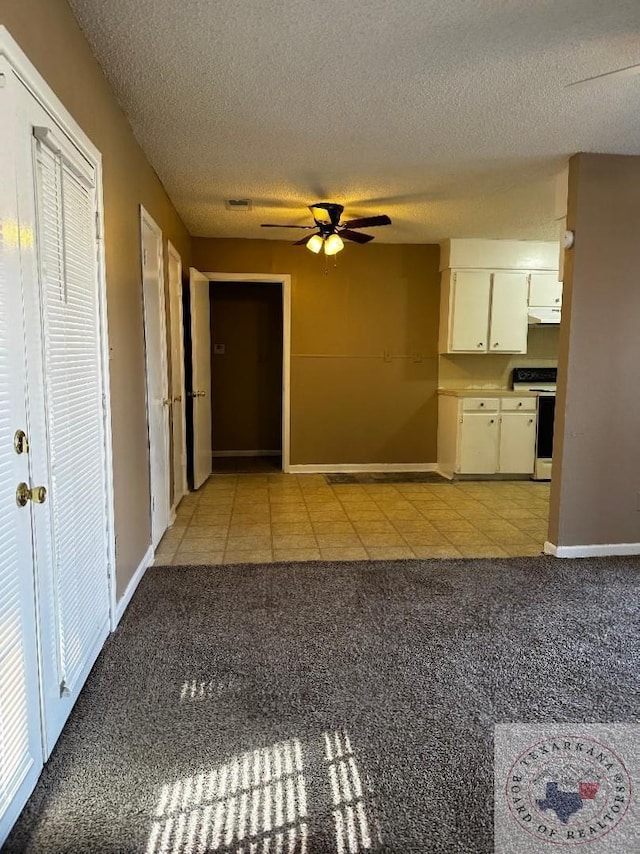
246, 380
494, 371
348, 403
596, 486
48, 33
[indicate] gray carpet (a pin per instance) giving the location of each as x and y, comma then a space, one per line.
259, 680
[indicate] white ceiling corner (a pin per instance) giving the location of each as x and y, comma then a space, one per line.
452, 117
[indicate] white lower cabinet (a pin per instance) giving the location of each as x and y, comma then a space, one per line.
517, 442
495, 435
479, 443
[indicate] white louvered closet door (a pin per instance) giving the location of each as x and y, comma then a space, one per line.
20, 745
66, 409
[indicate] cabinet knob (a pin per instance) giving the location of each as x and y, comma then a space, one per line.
481, 344
531, 421
557, 299
493, 421
497, 344
520, 403
482, 404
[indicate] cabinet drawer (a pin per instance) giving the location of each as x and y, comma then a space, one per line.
518, 404
480, 404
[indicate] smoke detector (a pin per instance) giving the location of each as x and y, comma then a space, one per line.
238, 204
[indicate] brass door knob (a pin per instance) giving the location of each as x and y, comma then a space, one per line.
20, 442
37, 494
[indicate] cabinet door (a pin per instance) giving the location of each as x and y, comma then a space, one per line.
517, 442
509, 325
469, 319
545, 290
479, 438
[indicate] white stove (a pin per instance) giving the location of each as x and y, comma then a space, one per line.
542, 381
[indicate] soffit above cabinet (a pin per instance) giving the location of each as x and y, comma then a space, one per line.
499, 254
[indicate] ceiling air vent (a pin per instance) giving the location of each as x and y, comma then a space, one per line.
238, 204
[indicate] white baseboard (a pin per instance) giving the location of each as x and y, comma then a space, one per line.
447, 475
355, 468
603, 550
247, 453
145, 563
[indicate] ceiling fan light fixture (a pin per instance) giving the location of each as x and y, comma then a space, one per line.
333, 244
315, 243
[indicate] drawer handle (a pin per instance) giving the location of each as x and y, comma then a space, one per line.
482, 404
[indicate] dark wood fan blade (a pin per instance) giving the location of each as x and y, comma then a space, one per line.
368, 221
304, 240
279, 225
356, 236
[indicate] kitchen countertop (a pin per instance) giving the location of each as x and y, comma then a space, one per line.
486, 392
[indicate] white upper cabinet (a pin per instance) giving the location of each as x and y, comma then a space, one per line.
545, 290
470, 301
483, 312
487, 287
508, 324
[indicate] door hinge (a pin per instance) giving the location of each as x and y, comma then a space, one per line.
65, 691
104, 403
153, 502
144, 257
98, 232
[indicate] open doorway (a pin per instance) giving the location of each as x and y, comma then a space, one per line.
246, 376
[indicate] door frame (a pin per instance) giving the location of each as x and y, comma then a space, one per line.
14, 60
176, 326
283, 279
147, 219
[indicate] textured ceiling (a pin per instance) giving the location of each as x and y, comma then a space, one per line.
452, 116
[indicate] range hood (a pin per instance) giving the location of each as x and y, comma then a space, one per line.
544, 316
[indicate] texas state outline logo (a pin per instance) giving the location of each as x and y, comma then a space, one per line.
568, 787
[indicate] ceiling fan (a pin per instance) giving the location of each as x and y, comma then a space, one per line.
329, 231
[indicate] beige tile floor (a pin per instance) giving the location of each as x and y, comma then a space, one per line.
263, 518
